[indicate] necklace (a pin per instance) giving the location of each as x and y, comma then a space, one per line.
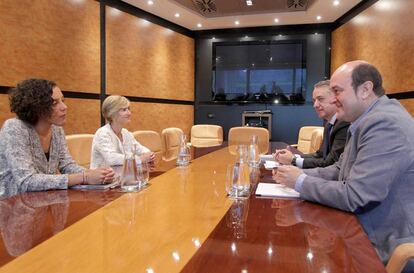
118, 134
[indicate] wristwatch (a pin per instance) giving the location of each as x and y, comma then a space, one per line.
293, 162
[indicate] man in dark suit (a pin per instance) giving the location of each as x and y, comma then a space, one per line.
374, 177
334, 136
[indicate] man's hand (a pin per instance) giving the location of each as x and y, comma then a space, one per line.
287, 175
284, 156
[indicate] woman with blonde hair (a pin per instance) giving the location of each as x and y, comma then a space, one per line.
109, 141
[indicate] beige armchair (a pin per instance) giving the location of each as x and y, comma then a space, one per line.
316, 140
206, 135
304, 138
400, 257
151, 140
171, 142
243, 135
80, 147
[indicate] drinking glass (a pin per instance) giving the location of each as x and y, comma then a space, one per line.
143, 174
231, 178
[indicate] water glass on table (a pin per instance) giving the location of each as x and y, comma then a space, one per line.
143, 174
231, 177
238, 181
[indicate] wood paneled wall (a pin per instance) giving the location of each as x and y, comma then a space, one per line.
147, 60
83, 116
55, 40
5, 109
152, 116
383, 36
60, 40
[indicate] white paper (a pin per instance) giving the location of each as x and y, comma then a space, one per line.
269, 164
266, 157
276, 190
95, 186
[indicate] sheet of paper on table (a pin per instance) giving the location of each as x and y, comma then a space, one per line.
275, 190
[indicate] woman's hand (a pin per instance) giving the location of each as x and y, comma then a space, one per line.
149, 158
103, 175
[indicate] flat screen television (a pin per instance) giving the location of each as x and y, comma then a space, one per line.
265, 71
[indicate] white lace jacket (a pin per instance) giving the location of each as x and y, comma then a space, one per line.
107, 149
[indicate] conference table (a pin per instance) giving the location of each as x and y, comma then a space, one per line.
182, 222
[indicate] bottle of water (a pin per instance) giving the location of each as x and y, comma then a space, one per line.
183, 158
129, 176
254, 156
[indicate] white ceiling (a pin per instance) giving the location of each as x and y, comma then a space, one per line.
189, 18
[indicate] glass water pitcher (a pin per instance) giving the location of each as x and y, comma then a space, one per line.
129, 175
242, 179
183, 158
254, 154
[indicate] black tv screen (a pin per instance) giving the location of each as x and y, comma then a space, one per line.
267, 71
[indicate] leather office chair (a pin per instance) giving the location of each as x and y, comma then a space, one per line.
316, 140
80, 147
304, 138
400, 257
171, 142
151, 140
243, 135
206, 135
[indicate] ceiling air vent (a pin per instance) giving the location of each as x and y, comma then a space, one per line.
205, 6
296, 4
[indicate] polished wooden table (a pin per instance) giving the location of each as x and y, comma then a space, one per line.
183, 222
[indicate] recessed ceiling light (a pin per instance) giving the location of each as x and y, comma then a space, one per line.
236, 22
149, 2
177, 15
249, 2
336, 2
199, 25
318, 17
276, 20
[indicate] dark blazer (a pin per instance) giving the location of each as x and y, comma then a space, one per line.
336, 147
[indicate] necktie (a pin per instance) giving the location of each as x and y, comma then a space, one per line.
326, 136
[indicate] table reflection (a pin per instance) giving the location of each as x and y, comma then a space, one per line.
285, 235
334, 243
28, 219
237, 216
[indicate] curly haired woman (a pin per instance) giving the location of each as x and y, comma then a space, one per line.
33, 151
